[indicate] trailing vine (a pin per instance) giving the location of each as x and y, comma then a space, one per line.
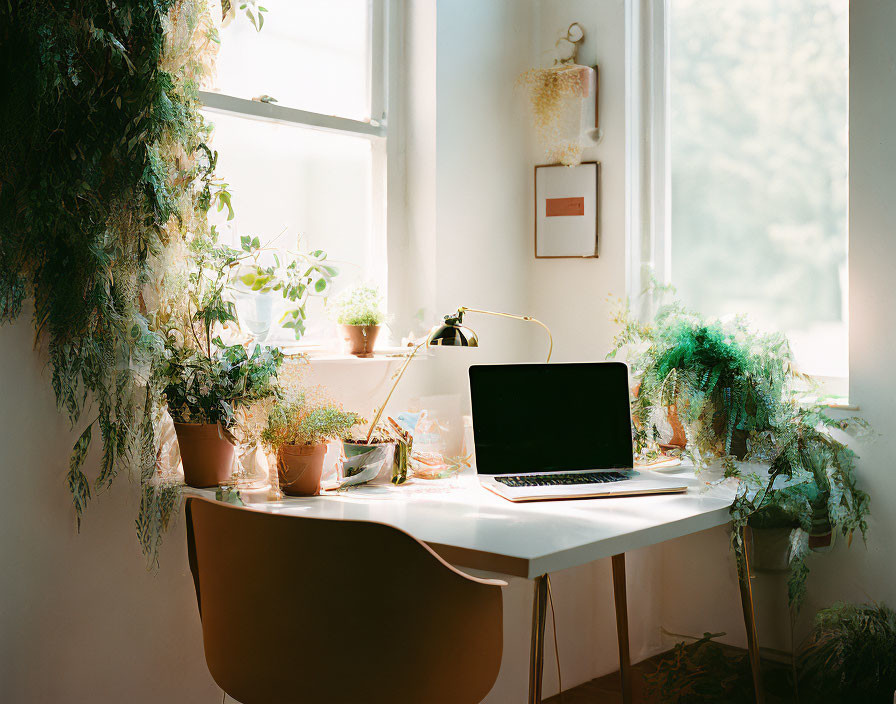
103, 174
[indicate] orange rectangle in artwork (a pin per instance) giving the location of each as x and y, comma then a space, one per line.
564, 206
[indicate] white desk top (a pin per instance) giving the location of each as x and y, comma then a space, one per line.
471, 527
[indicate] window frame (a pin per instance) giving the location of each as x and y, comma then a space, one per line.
648, 166
382, 130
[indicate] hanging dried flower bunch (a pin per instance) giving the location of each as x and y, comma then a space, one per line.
556, 95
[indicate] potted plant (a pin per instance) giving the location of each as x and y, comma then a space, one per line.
206, 381
740, 398
203, 393
366, 454
848, 657
298, 431
359, 314
257, 276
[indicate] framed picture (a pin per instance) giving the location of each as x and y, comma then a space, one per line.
567, 210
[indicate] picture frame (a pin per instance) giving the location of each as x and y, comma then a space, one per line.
567, 211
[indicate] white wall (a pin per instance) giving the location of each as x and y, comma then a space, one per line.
81, 619
860, 573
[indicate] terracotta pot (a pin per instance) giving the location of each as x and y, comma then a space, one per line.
206, 453
678, 439
359, 339
299, 468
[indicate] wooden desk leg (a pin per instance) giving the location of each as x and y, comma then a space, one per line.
625, 665
746, 600
536, 655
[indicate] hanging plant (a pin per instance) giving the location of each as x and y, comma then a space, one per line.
103, 174
556, 96
559, 100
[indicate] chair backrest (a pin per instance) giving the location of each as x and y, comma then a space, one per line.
298, 609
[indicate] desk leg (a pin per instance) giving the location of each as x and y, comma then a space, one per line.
536, 655
746, 600
625, 665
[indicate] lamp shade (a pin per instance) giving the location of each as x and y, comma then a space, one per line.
452, 334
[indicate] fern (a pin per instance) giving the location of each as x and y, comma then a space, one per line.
727, 382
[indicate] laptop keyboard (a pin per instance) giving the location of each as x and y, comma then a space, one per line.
520, 480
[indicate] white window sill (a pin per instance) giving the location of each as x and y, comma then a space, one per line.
385, 354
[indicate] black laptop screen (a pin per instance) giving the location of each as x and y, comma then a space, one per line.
550, 417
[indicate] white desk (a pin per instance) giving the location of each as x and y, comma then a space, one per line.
471, 527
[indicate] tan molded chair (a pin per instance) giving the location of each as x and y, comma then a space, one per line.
298, 609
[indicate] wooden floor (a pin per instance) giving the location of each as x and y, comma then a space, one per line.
607, 689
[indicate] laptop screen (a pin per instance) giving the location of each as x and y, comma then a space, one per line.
550, 417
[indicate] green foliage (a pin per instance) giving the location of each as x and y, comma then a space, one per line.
254, 11
302, 422
728, 382
297, 276
203, 389
850, 655
702, 671
721, 378
360, 305
100, 121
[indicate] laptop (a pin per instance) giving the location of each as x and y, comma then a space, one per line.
557, 431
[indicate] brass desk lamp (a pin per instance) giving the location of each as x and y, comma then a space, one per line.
452, 333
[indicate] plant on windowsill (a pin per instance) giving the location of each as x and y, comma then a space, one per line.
298, 431
294, 275
359, 314
737, 394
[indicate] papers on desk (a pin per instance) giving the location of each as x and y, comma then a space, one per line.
658, 463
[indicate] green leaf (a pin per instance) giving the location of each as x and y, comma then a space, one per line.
77, 481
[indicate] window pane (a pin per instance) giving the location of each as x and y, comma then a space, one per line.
310, 55
314, 187
759, 158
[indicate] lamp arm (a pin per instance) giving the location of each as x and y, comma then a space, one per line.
407, 361
527, 318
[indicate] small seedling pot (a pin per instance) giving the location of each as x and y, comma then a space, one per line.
300, 467
359, 339
206, 453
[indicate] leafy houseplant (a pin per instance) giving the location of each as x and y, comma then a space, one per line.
296, 277
366, 454
358, 311
738, 396
298, 432
849, 656
204, 392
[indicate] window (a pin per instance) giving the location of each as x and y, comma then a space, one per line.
750, 161
299, 111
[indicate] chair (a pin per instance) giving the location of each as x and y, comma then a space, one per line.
313, 610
